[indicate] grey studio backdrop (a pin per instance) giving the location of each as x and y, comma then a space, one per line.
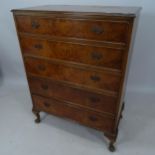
136, 134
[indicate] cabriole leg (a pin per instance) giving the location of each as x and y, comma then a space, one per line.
112, 147
121, 116
112, 138
37, 120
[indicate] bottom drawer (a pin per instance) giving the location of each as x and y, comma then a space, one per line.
88, 118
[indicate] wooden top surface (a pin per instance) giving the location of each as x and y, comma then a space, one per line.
107, 10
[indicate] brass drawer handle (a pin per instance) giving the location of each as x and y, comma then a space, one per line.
41, 67
96, 29
95, 78
94, 99
93, 118
46, 104
43, 86
35, 25
96, 56
38, 46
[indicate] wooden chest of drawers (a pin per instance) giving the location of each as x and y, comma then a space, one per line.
76, 60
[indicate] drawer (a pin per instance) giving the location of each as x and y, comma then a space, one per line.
87, 54
73, 74
108, 30
62, 109
93, 101
33, 25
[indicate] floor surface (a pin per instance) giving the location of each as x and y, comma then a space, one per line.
19, 135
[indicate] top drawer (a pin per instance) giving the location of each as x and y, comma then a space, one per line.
108, 30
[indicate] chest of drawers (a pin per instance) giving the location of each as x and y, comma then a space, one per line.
76, 60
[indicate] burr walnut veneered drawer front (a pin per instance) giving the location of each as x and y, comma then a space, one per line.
74, 74
104, 30
93, 101
87, 54
82, 116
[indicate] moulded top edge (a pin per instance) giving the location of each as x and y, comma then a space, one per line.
106, 10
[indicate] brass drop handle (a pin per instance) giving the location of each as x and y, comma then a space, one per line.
35, 25
38, 46
45, 87
96, 55
94, 99
46, 104
93, 118
95, 78
97, 29
41, 67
